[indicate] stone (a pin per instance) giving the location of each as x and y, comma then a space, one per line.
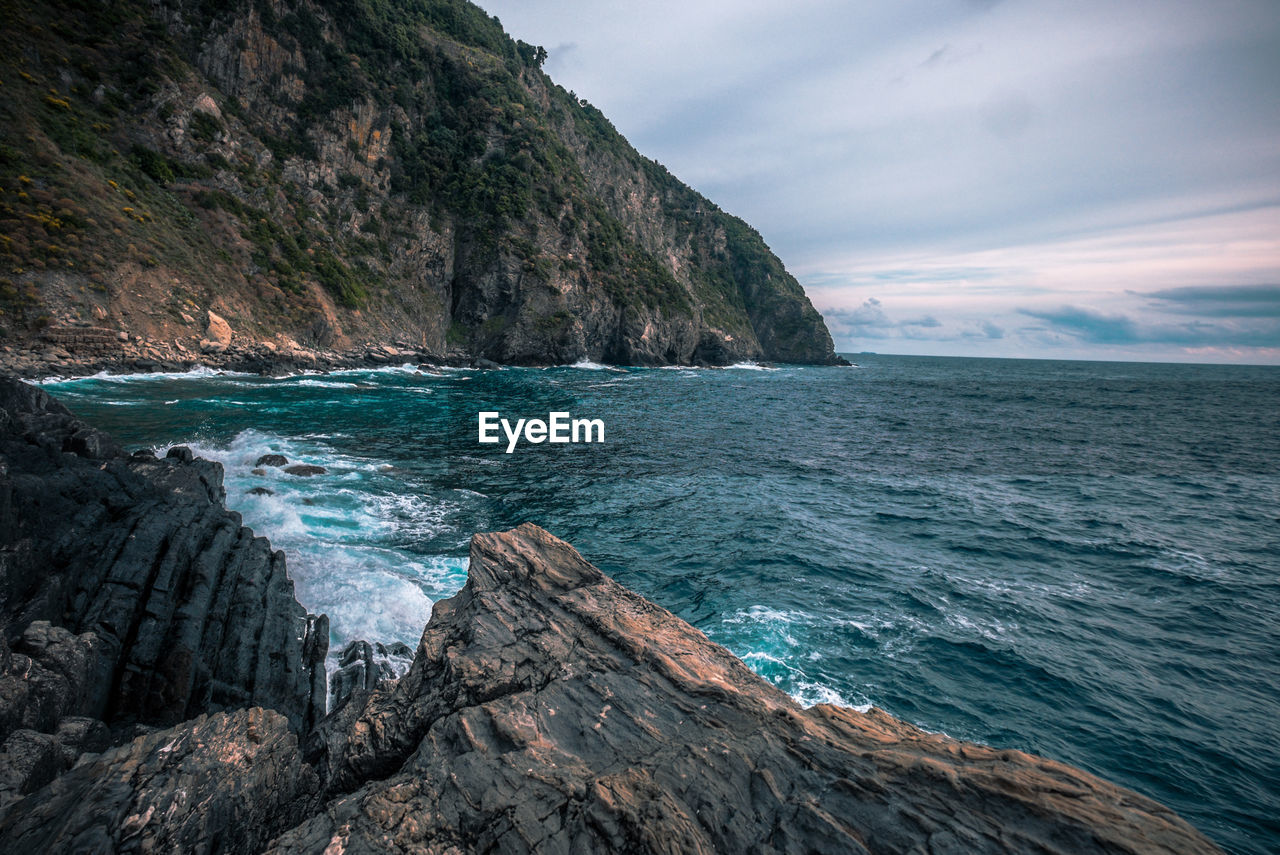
546, 707
259, 491
272, 460
305, 470
220, 783
549, 709
363, 666
134, 594
217, 329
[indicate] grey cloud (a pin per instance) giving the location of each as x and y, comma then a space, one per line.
928, 322
1094, 327
1223, 301
991, 330
870, 320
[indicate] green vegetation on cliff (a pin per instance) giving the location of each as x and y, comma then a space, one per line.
355, 170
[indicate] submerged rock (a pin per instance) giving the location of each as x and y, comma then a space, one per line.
272, 460
305, 470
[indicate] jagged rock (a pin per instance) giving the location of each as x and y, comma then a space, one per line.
272, 460
222, 783
218, 330
28, 760
128, 593
546, 709
305, 470
550, 709
259, 491
362, 666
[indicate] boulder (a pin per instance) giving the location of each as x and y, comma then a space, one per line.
549, 709
221, 783
132, 594
272, 460
217, 330
305, 470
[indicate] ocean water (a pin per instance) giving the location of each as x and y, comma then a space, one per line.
1080, 560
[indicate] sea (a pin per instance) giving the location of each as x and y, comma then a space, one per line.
1076, 559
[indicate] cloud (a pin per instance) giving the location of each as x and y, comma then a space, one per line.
1229, 301
870, 320
1095, 327
1074, 150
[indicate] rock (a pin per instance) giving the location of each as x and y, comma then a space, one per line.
221, 783
187, 319
134, 595
122, 336
257, 472
218, 330
206, 104
80, 735
546, 708
362, 666
28, 761
550, 709
259, 491
272, 460
208, 346
305, 470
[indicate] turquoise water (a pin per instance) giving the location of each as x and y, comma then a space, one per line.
1076, 559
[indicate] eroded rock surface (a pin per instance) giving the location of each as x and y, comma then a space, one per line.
130, 596
550, 709
221, 783
547, 708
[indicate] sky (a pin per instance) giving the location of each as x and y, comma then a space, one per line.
1094, 179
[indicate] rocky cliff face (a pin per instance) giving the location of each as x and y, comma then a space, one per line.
130, 598
547, 708
338, 172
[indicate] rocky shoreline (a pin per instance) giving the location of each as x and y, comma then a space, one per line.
38, 360
162, 690
62, 355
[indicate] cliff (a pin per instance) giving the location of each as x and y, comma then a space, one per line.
547, 708
339, 173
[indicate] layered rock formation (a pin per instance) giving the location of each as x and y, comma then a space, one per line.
130, 596
547, 709
340, 173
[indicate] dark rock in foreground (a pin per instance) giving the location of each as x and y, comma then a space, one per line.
130, 597
550, 709
547, 708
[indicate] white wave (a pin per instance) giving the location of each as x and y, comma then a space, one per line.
196, 372
750, 366
808, 693
326, 384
